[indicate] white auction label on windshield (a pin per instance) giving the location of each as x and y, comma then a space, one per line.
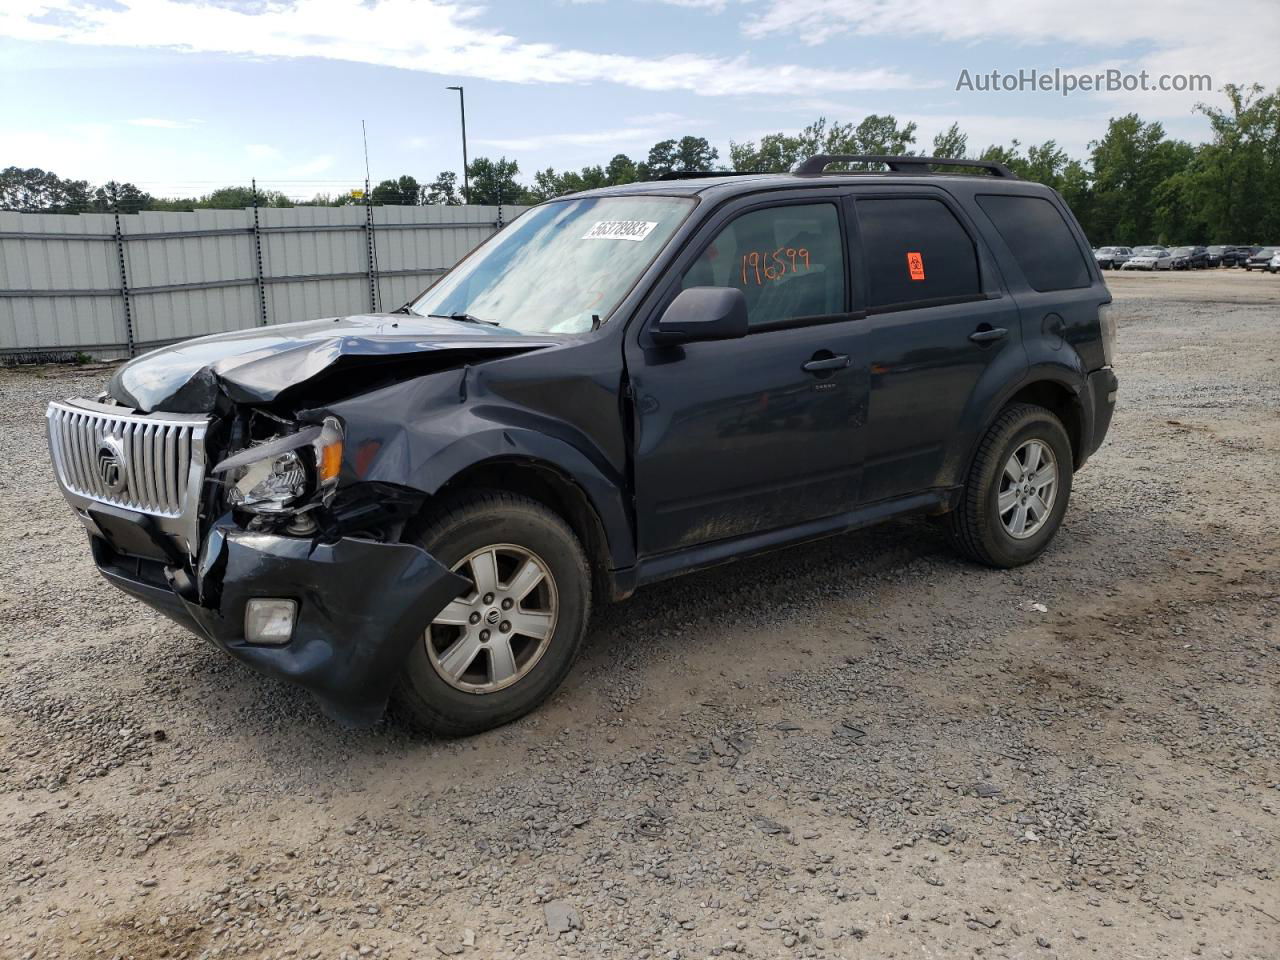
620, 230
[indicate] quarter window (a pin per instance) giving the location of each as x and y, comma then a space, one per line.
915, 250
1040, 241
788, 262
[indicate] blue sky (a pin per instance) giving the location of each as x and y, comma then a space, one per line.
182, 96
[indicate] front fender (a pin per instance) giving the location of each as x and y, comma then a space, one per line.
423, 433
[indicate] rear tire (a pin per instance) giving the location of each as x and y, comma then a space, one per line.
1004, 484
495, 654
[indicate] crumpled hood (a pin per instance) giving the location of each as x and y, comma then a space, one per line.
258, 364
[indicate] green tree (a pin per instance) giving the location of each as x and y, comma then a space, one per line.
403, 191
547, 184
124, 197
1130, 163
494, 182
1235, 184
621, 169
237, 198
33, 190
443, 189
780, 152
950, 143
686, 155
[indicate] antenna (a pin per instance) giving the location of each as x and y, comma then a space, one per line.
364, 135
375, 294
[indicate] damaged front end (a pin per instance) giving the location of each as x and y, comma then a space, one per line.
260, 553
243, 515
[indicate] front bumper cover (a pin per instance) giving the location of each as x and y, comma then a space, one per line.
361, 605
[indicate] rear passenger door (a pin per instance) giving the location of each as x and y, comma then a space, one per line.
938, 333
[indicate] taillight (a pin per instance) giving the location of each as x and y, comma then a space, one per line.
1107, 320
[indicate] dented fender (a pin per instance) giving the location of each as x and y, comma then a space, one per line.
424, 432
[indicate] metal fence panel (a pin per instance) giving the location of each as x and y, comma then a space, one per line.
63, 277
58, 278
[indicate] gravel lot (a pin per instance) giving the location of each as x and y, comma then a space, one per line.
860, 748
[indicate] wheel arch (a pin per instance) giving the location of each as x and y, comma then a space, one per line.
1062, 402
1057, 389
553, 487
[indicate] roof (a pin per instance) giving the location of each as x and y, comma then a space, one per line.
730, 184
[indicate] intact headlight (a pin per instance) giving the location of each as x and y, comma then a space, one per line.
286, 473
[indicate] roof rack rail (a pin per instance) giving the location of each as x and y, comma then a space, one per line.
917, 165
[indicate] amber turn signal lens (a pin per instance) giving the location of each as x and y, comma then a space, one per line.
330, 461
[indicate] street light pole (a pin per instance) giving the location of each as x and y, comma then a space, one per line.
466, 180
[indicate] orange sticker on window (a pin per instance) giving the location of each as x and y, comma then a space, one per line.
915, 265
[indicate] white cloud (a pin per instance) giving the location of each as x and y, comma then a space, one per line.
714, 6
262, 151
428, 35
1168, 37
163, 123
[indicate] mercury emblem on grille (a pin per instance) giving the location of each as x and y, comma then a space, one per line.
111, 466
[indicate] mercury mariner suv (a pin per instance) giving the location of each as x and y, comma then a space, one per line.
421, 507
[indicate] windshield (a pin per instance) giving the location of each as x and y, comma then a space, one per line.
1184, 251
1150, 251
1109, 250
563, 267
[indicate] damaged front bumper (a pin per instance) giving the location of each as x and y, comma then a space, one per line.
360, 603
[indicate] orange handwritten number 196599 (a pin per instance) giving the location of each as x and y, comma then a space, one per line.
759, 266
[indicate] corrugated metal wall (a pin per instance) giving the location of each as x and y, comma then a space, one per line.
63, 277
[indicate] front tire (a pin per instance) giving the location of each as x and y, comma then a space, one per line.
497, 652
1017, 490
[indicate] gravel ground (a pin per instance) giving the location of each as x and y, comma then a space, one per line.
860, 748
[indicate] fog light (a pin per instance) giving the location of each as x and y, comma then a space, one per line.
269, 621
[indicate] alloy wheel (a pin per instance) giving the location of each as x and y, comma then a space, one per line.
491, 638
1028, 488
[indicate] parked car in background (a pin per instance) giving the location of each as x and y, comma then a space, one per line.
1111, 258
1274, 265
1227, 254
1149, 258
1260, 258
424, 506
1190, 258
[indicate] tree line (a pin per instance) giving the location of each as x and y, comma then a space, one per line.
1136, 185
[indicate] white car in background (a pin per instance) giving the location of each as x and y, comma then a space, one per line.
1273, 265
1149, 258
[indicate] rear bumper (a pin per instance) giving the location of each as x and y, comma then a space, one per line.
361, 604
1099, 401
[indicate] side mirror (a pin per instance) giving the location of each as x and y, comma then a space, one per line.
703, 313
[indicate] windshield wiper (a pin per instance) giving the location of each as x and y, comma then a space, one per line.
464, 318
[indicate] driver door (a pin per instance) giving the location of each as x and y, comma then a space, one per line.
736, 437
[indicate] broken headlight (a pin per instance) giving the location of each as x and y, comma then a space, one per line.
285, 474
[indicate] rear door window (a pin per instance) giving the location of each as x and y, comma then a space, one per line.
1039, 239
915, 251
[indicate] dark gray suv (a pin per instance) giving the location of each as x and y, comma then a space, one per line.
621, 386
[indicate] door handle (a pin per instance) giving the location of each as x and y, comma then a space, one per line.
838, 362
988, 334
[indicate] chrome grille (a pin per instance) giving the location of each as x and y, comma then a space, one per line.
149, 463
